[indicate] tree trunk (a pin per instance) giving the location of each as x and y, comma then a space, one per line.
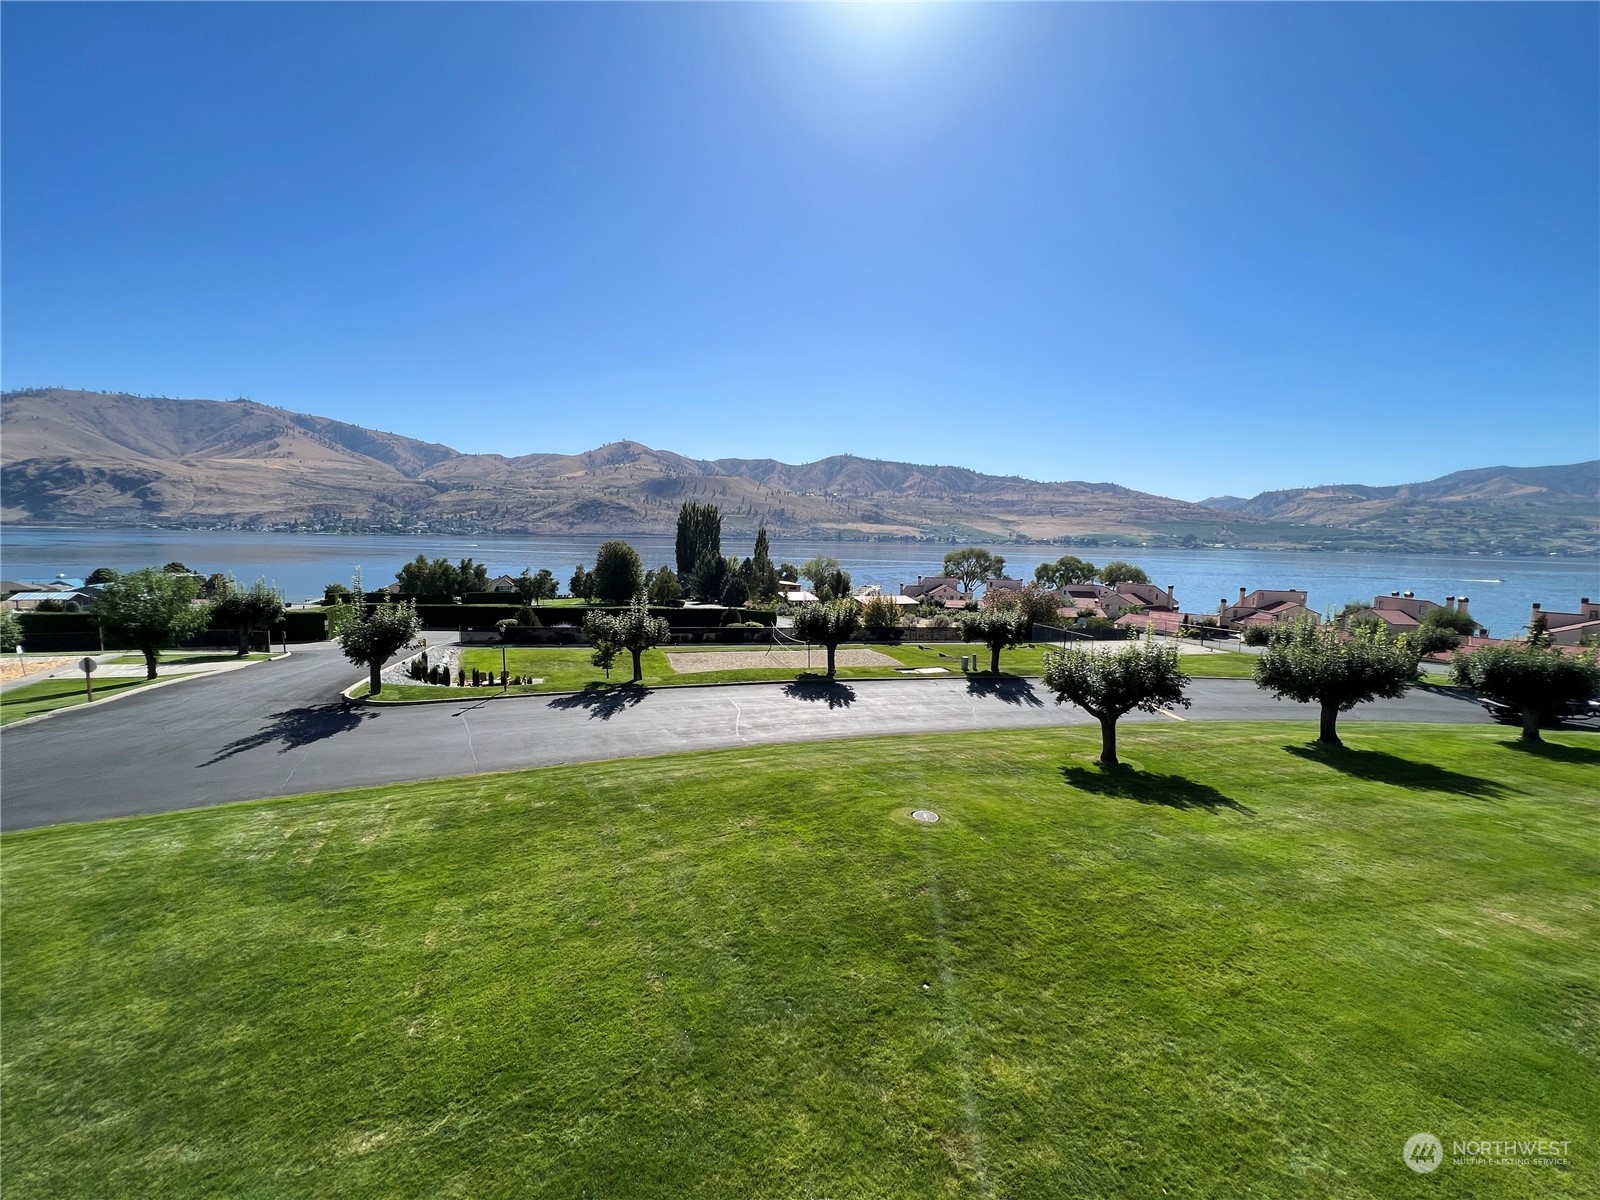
1108, 742
1530, 725
1330, 734
638, 665
830, 661
151, 653
244, 640
994, 660
376, 678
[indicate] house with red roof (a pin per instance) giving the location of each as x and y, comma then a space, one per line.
1264, 606
1570, 628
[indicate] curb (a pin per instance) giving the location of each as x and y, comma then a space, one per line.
955, 673
149, 686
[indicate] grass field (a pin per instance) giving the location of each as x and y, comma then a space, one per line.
568, 669
51, 694
1244, 968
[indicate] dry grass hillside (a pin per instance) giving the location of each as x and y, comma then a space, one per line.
76, 457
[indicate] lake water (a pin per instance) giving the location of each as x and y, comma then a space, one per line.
1501, 589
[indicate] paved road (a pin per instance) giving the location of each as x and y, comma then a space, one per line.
279, 728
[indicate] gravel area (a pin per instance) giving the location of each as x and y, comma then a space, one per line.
14, 667
753, 660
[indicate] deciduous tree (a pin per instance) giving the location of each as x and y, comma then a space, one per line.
1322, 665
633, 630
581, 585
151, 609
1108, 686
532, 589
663, 588
10, 631
973, 565
1538, 681
997, 628
829, 581
1117, 572
618, 573
1067, 569
257, 607
371, 634
880, 615
441, 578
828, 623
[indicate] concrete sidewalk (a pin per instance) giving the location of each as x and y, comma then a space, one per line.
106, 670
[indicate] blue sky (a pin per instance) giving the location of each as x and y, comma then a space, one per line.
1190, 248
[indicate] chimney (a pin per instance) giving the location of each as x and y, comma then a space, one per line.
1241, 595
1411, 595
1449, 603
1395, 594
1462, 604
1535, 608
1585, 600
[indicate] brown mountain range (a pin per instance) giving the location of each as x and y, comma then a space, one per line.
91, 458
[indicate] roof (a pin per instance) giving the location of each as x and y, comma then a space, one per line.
800, 597
1163, 619
1394, 616
32, 597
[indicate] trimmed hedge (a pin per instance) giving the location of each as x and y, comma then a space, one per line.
48, 632
492, 598
486, 616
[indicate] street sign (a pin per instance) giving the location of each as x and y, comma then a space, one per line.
88, 666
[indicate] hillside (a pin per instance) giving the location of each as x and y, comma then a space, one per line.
90, 458
1515, 509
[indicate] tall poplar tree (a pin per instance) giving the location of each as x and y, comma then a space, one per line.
699, 535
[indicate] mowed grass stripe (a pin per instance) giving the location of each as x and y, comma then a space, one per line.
1245, 968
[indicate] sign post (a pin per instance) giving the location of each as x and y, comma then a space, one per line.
88, 667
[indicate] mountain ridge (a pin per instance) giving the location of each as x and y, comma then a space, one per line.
76, 457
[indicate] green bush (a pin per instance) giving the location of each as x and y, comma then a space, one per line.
1256, 635
881, 615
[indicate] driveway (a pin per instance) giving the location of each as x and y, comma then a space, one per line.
280, 728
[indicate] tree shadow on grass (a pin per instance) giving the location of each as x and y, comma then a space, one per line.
296, 728
1380, 767
603, 700
819, 689
1011, 689
1555, 752
1169, 791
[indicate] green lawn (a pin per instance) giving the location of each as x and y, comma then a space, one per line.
1244, 968
51, 694
567, 669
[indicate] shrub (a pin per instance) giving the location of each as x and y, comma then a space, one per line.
881, 615
618, 573
1256, 635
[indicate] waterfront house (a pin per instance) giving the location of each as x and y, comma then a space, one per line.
1264, 606
1570, 628
937, 589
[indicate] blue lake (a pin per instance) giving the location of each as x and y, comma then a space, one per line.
1502, 590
